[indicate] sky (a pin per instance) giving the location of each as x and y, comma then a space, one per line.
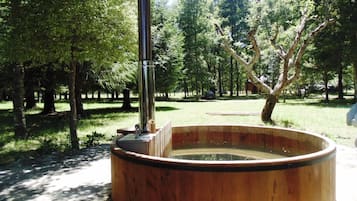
172, 2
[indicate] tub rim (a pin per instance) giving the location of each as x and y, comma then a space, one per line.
328, 153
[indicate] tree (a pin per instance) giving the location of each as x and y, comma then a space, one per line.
328, 57
347, 21
49, 84
120, 77
234, 13
281, 25
193, 23
90, 32
13, 55
71, 33
167, 48
340, 54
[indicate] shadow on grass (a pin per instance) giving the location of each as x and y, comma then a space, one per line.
110, 110
6, 127
333, 103
218, 98
28, 179
48, 131
241, 97
39, 125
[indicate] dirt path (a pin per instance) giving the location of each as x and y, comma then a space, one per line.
83, 176
86, 176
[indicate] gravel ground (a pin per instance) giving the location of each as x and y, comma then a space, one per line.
86, 176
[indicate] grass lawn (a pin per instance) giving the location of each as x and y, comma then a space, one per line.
50, 133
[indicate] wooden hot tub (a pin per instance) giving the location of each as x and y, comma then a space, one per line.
307, 173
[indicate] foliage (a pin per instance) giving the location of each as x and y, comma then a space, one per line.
335, 57
117, 75
94, 139
71, 33
193, 23
48, 146
233, 14
167, 49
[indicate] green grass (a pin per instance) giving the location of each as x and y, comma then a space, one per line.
309, 115
50, 133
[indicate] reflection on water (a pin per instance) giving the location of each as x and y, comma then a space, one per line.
222, 154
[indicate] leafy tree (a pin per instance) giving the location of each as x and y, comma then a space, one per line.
14, 54
167, 49
193, 23
347, 21
89, 31
328, 58
69, 33
120, 77
234, 13
340, 54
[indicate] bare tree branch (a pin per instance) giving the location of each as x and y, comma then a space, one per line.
247, 65
297, 38
283, 79
256, 57
301, 51
228, 48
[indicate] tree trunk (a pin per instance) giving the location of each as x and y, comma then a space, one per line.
185, 89
326, 86
269, 107
340, 84
220, 88
98, 98
354, 62
18, 101
73, 112
48, 97
29, 90
196, 84
355, 77
126, 99
49, 101
78, 90
238, 78
112, 98
30, 95
231, 78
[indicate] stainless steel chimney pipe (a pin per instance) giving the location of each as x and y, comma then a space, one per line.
146, 74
